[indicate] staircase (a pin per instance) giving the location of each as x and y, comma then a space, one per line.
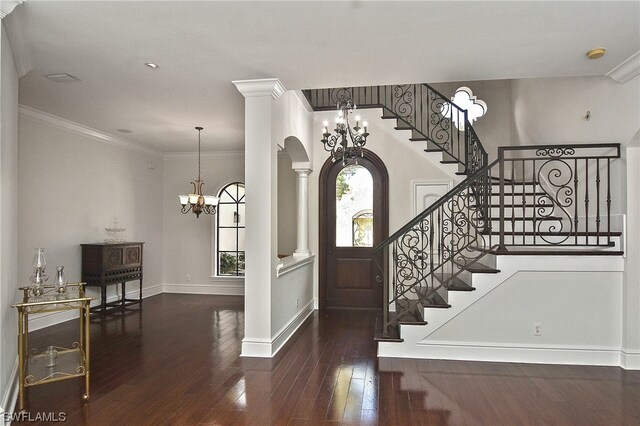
532, 201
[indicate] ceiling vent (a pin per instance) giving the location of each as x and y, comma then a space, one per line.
63, 78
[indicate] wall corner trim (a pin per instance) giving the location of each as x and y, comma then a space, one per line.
10, 395
626, 70
73, 127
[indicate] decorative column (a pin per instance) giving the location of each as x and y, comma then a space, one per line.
261, 185
302, 237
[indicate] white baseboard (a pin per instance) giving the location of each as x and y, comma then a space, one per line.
259, 348
46, 320
630, 360
10, 395
223, 289
505, 353
268, 348
285, 333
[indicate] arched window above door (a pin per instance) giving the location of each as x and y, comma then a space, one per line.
354, 198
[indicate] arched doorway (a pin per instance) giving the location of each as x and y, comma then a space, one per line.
354, 218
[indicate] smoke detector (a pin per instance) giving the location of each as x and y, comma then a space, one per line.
596, 53
63, 78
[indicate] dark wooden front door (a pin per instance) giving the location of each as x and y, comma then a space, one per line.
353, 219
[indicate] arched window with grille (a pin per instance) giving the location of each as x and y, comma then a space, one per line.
230, 231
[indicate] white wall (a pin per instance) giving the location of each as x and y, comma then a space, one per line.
506, 316
71, 187
631, 294
188, 241
8, 219
537, 111
291, 302
287, 205
550, 110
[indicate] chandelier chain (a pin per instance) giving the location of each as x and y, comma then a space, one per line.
199, 130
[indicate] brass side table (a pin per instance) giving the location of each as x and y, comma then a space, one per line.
66, 363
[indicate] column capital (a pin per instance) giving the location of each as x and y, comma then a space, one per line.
260, 87
303, 171
7, 6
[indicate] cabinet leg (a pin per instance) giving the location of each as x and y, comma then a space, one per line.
140, 295
123, 286
103, 298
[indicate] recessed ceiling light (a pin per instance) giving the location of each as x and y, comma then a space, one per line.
125, 130
152, 65
596, 53
63, 78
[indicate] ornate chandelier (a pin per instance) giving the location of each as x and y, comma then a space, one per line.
196, 202
338, 143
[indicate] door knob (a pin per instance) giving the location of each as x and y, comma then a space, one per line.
378, 278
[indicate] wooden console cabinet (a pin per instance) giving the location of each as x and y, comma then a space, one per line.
104, 264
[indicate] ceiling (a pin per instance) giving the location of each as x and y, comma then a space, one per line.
202, 46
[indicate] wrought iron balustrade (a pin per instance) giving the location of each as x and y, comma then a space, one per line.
431, 116
560, 195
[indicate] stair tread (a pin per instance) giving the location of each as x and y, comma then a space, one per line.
560, 234
449, 162
388, 117
411, 317
517, 194
479, 268
403, 128
517, 205
434, 300
433, 150
455, 283
526, 218
515, 182
573, 252
393, 331
419, 139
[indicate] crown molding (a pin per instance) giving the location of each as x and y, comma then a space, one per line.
20, 45
260, 87
627, 70
208, 155
73, 127
7, 6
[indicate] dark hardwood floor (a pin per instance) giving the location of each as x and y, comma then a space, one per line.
176, 362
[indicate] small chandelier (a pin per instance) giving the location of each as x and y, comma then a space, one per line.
196, 202
338, 143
